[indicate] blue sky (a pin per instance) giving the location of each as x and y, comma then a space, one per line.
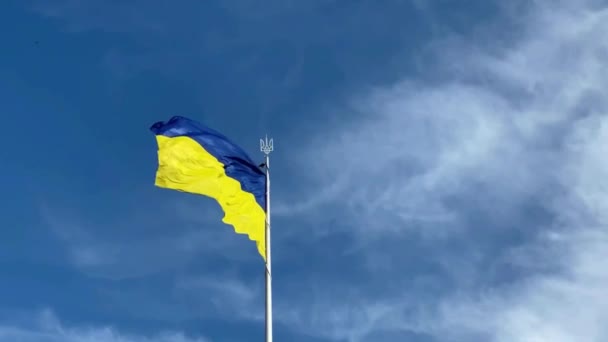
439, 171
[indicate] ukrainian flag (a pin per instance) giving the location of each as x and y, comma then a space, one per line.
196, 159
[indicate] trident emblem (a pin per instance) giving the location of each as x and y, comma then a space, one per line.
266, 145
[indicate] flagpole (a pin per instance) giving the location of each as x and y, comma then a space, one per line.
266, 146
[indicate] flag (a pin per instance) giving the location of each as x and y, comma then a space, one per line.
196, 159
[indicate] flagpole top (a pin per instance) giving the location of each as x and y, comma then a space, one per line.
266, 145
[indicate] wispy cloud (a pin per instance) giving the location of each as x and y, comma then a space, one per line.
162, 239
418, 147
46, 327
504, 154
228, 295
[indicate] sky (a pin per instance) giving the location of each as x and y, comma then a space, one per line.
439, 172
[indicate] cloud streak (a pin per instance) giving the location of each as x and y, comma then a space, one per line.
142, 245
46, 327
506, 150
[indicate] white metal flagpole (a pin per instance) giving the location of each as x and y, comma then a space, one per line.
266, 146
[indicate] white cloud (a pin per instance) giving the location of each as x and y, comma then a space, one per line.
46, 327
418, 144
521, 122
